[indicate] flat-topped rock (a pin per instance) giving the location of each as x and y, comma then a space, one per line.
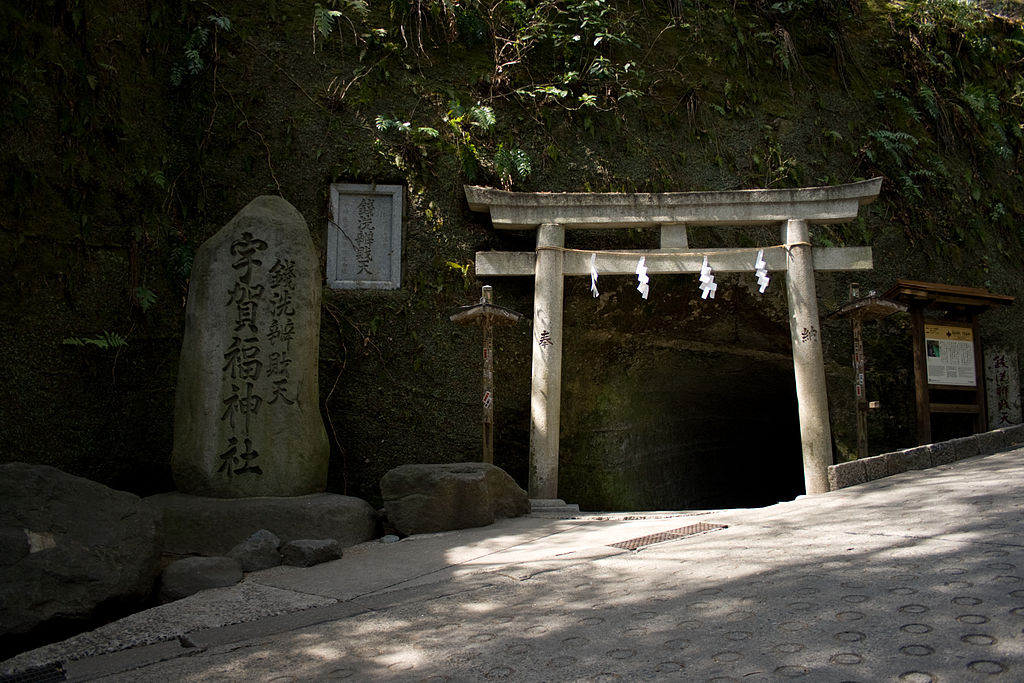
190, 575
428, 498
310, 551
203, 525
246, 415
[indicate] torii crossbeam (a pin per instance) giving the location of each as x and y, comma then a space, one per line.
551, 214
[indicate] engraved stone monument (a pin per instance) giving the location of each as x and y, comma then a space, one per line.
364, 237
246, 415
1002, 387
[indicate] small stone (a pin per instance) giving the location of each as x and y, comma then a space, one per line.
306, 553
894, 463
943, 453
259, 551
390, 538
992, 441
874, 467
918, 458
965, 447
1013, 435
846, 474
192, 574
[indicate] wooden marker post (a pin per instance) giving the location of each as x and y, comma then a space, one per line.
486, 315
858, 310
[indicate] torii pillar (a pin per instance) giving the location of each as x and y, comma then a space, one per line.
552, 213
808, 359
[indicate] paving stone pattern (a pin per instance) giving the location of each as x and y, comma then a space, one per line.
917, 577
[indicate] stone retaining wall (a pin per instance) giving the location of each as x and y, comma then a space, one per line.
922, 457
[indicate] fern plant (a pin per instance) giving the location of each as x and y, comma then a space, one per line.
105, 340
511, 163
468, 126
192, 62
895, 150
327, 19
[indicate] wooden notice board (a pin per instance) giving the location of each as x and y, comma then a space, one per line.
948, 376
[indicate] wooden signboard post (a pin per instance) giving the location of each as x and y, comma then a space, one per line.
486, 315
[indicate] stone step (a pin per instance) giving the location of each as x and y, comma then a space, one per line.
552, 507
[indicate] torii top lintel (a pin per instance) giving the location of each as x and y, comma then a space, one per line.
527, 210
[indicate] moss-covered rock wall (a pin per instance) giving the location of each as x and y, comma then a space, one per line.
132, 130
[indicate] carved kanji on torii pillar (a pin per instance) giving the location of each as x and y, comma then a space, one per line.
551, 214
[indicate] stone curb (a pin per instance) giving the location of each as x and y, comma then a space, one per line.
864, 470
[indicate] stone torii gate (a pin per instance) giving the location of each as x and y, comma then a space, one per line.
551, 214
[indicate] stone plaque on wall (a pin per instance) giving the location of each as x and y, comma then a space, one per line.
1002, 387
364, 237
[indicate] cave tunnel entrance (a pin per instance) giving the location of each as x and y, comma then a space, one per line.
669, 428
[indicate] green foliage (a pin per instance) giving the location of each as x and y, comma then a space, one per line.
105, 341
895, 152
511, 163
389, 124
897, 147
783, 50
145, 298
466, 126
327, 19
774, 167
464, 132
963, 64
192, 62
179, 261
463, 270
578, 43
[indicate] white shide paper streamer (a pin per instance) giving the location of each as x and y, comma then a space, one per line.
762, 271
641, 276
707, 281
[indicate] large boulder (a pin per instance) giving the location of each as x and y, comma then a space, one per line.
200, 525
428, 498
70, 547
246, 413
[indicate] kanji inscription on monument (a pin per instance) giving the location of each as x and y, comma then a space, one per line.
1002, 387
247, 421
364, 237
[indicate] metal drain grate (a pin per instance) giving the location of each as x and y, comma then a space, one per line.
48, 673
662, 536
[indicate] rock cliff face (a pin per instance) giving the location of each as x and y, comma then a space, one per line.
130, 132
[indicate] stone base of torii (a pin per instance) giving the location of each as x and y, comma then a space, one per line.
551, 214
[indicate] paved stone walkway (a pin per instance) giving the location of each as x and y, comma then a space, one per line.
917, 577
